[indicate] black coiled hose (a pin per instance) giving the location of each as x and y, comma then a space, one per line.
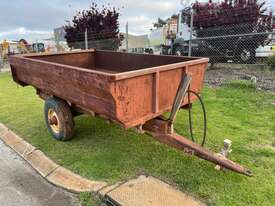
190, 116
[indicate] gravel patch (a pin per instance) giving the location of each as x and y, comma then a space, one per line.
264, 78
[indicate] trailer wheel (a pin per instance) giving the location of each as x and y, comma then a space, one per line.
59, 119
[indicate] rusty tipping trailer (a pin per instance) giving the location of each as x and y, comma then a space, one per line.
133, 90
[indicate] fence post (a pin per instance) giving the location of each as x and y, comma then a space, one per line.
191, 33
86, 39
126, 39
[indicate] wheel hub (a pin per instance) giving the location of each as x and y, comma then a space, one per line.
53, 121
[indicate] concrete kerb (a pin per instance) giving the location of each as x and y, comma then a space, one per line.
48, 169
140, 191
68, 180
43, 165
3, 130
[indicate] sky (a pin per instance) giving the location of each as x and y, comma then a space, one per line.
36, 19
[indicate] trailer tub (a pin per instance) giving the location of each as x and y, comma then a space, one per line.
127, 88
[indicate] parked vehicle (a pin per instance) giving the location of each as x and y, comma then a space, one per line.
23, 47
222, 31
263, 52
141, 50
38, 47
133, 90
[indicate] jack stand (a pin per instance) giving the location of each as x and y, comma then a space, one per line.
225, 151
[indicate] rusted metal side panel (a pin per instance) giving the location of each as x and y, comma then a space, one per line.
83, 60
197, 72
87, 90
16, 78
142, 98
168, 85
133, 98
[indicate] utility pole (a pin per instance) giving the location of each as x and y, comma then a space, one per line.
191, 33
86, 39
126, 39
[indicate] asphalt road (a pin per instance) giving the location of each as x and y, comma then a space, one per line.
21, 185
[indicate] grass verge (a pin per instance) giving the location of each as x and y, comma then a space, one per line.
87, 199
107, 152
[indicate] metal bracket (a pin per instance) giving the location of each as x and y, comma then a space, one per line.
182, 90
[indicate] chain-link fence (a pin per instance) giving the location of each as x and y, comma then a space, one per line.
104, 40
245, 43
122, 42
239, 32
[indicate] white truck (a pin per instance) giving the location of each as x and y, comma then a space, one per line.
235, 42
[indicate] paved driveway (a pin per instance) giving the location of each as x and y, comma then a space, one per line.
21, 185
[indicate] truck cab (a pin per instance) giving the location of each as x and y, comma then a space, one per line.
180, 45
183, 29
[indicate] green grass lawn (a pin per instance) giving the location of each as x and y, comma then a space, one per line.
106, 152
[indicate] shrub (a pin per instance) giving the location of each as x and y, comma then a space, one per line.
102, 28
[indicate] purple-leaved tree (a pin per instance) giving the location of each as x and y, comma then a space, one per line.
102, 28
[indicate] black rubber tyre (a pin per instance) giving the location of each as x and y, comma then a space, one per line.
59, 119
247, 56
178, 51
